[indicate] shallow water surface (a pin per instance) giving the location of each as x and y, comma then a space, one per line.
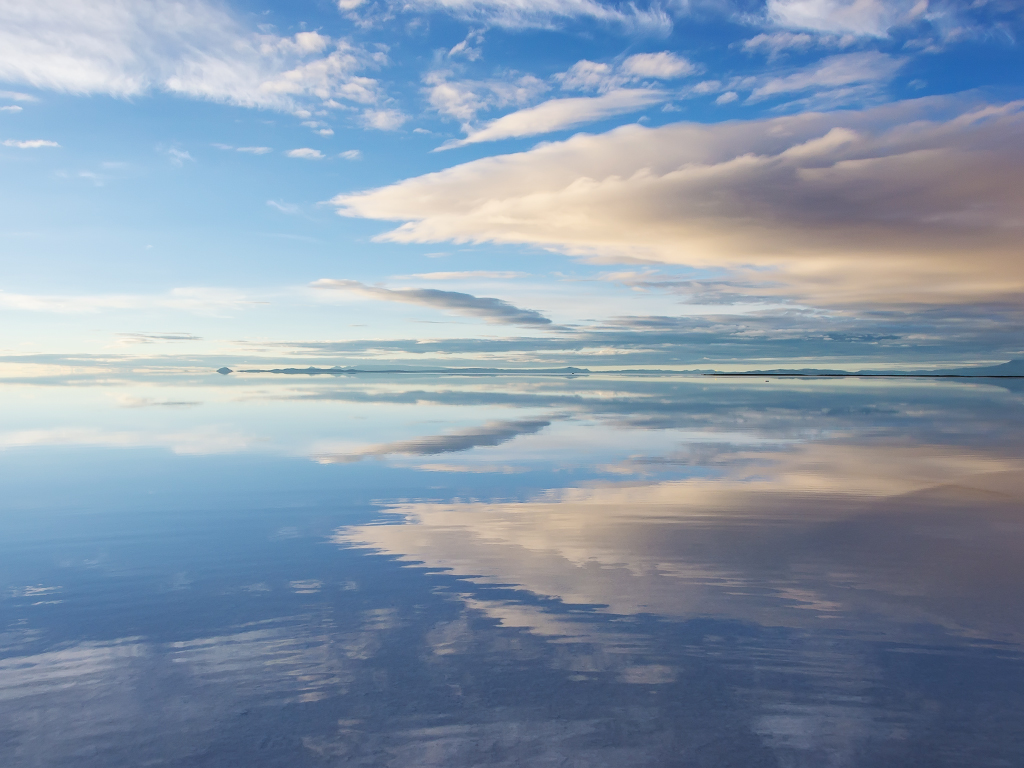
204, 570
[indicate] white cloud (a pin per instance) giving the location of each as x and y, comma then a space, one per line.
464, 99
519, 14
191, 47
179, 156
255, 150
305, 153
283, 207
30, 143
351, 154
775, 43
384, 119
17, 96
473, 275
664, 65
871, 18
832, 72
11, 108
560, 114
877, 205
587, 75
727, 98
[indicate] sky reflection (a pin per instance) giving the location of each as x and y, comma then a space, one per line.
444, 571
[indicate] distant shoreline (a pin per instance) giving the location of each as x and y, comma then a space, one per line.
993, 372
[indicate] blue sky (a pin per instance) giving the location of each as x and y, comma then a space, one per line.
529, 183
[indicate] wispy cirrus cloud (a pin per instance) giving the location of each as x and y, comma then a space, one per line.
871, 206
490, 309
842, 70
487, 435
622, 87
869, 18
522, 14
192, 48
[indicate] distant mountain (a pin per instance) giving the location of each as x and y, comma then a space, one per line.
1012, 368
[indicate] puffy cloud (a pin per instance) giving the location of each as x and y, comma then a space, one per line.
559, 114
491, 310
191, 47
918, 201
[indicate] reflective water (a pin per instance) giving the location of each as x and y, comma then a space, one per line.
267, 570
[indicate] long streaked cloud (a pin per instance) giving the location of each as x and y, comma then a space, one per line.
198, 300
191, 48
849, 207
471, 275
30, 143
490, 434
490, 309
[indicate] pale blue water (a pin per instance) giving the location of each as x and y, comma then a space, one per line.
199, 570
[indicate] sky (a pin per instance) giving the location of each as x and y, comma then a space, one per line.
511, 183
